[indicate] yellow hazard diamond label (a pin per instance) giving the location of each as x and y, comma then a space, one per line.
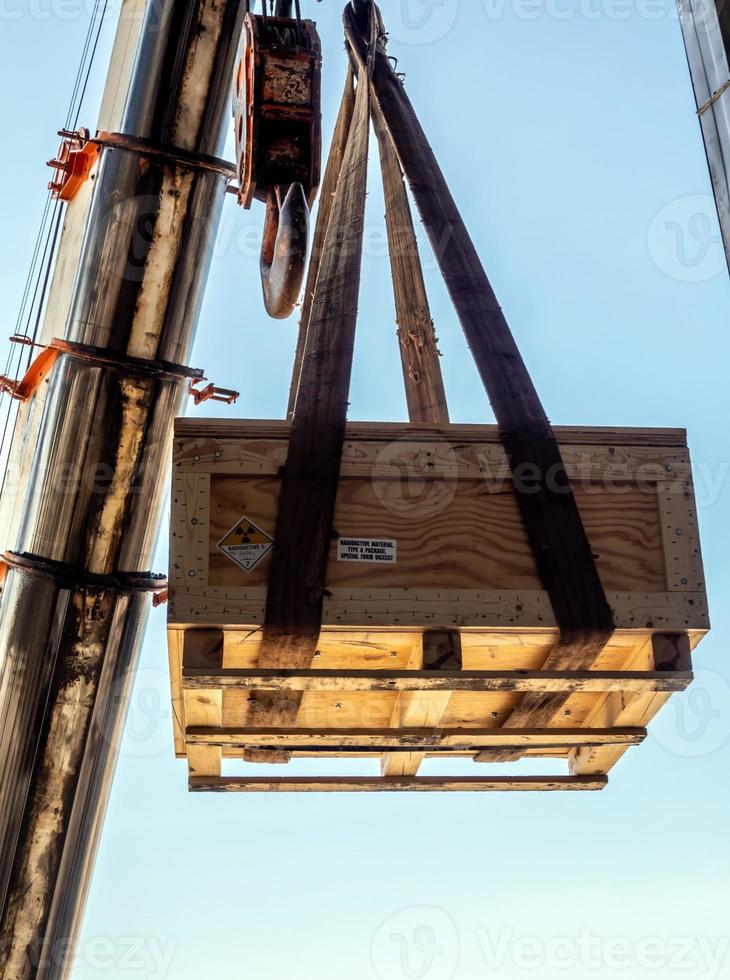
246, 544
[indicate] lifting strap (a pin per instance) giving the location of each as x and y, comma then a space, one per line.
311, 477
326, 203
304, 528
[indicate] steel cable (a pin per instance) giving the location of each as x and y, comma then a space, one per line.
35, 290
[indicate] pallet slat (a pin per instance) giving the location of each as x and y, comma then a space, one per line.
384, 739
550, 681
375, 741
396, 784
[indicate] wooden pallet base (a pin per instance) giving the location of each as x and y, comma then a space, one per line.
445, 714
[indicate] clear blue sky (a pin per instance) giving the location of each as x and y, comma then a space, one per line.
568, 133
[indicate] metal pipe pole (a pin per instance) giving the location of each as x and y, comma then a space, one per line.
27, 425
72, 615
706, 29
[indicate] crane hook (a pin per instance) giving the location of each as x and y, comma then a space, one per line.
284, 250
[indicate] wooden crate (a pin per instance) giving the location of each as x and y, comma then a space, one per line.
435, 623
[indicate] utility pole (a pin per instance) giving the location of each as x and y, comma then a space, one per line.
74, 603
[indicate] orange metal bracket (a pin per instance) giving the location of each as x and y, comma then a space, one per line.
212, 394
43, 364
36, 374
75, 159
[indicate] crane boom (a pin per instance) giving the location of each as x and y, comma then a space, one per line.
74, 605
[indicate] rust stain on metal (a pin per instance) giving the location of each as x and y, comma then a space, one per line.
160, 265
107, 534
287, 81
75, 685
200, 63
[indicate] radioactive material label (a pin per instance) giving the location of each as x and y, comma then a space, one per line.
246, 544
383, 551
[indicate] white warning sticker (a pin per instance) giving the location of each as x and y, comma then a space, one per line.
246, 544
376, 550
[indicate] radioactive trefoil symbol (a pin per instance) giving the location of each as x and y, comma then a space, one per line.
246, 544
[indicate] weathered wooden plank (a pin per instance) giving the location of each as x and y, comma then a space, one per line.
551, 681
194, 431
193, 428
593, 466
422, 784
427, 740
267, 756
